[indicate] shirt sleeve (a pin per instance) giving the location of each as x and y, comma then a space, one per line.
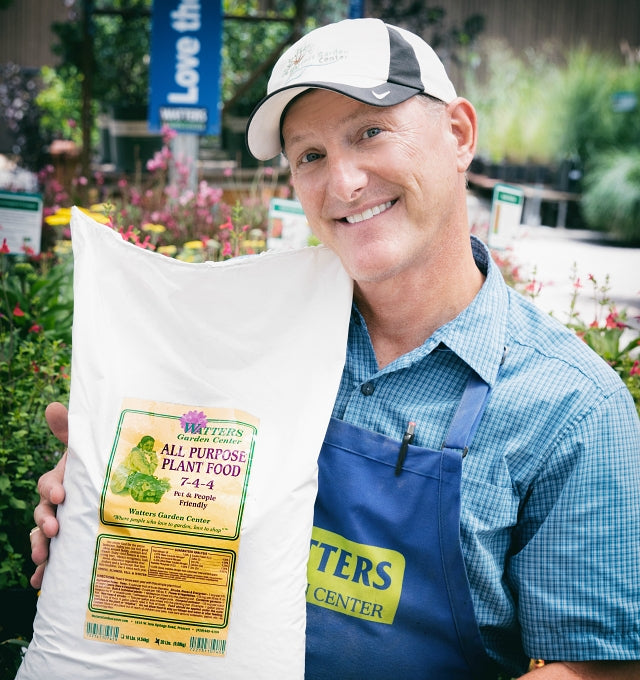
578, 574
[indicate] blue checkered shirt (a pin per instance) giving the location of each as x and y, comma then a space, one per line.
550, 499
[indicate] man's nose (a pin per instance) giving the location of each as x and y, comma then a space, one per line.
347, 176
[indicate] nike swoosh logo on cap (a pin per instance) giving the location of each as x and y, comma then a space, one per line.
380, 95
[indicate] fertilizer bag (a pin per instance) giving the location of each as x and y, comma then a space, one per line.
200, 395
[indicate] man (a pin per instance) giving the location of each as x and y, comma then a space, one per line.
479, 485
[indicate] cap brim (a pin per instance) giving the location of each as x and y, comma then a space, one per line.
263, 129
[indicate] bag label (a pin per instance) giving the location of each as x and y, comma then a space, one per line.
170, 516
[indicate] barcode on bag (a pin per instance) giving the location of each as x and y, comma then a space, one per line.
210, 645
102, 631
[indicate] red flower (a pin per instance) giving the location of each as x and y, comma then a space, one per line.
36, 328
612, 321
635, 369
17, 311
5, 248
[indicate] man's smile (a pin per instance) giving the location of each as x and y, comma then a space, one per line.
368, 213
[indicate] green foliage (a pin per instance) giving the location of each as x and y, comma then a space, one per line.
19, 112
611, 198
546, 105
246, 46
515, 96
609, 334
59, 103
35, 348
11, 652
586, 118
118, 52
251, 46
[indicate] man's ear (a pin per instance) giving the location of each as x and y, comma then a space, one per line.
464, 126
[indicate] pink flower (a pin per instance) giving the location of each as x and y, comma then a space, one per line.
168, 134
227, 225
635, 369
17, 311
186, 197
5, 248
35, 328
226, 249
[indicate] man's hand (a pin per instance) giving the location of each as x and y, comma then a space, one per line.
51, 495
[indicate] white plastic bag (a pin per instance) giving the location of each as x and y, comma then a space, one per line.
200, 394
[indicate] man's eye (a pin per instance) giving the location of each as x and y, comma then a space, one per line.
310, 157
372, 132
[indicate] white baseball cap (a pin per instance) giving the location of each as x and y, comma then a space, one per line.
365, 59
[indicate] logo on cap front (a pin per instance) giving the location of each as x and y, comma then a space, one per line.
380, 95
308, 56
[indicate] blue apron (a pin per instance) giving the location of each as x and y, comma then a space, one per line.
388, 595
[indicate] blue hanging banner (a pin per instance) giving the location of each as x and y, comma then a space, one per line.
186, 44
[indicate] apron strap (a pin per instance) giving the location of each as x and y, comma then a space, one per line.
468, 415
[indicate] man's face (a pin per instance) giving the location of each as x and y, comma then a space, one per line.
379, 185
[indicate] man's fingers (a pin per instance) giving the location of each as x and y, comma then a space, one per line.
51, 490
58, 419
36, 578
39, 546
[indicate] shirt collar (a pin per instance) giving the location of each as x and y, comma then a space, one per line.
477, 335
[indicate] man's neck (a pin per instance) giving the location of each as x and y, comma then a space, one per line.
403, 312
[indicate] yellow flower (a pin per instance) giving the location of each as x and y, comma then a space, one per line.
63, 216
59, 218
167, 250
154, 228
254, 244
101, 207
194, 245
185, 257
98, 217
62, 247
